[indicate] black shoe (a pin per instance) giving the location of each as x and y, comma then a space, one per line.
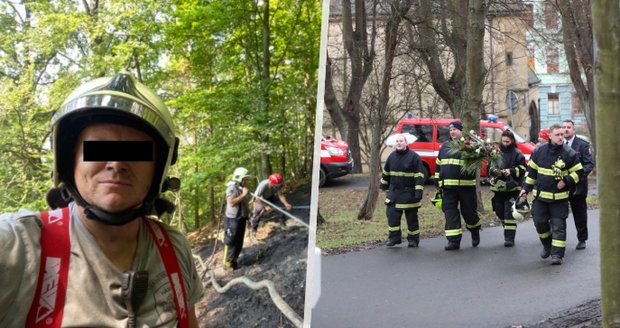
581, 244
475, 237
452, 246
545, 252
556, 260
391, 242
509, 243
413, 243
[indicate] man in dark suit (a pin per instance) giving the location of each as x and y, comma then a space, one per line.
578, 196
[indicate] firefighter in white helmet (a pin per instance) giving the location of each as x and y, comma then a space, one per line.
236, 216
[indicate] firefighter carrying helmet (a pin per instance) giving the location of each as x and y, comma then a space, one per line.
113, 100
437, 199
521, 209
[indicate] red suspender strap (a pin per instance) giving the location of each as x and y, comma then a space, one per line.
49, 299
168, 256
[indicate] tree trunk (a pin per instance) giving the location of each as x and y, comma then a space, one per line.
361, 56
577, 36
378, 116
331, 101
265, 83
607, 117
425, 43
475, 73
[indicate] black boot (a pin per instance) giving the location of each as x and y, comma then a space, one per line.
556, 260
414, 241
391, 242
452, 246
475, 237
546, 251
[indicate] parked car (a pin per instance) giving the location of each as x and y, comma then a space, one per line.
336, 159
432, 133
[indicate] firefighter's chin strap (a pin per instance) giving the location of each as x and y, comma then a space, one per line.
116, 219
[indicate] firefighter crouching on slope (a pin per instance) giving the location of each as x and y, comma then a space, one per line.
236, 216
97, 259
403, 177
552, 170
458, 188
506, 184
268, 189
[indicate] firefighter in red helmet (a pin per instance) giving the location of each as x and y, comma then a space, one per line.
268, 190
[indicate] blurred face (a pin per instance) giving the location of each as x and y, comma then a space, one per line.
569, 130
506, 141
401, 143
556, 136
455, 133
112, 186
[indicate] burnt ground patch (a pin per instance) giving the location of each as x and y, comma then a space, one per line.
279, 255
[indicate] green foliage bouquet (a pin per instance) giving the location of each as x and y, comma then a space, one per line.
474, 152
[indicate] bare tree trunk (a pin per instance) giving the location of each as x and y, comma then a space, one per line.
362, 56
475, 72
607, 117
577, 34
265, 82
425, 43
331, 101
378, 116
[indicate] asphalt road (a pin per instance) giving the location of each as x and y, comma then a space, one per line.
487, 286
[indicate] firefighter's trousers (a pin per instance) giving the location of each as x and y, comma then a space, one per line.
234, 230
465, 199
259, 211
580, 213
502, 206
393, 216
550, 222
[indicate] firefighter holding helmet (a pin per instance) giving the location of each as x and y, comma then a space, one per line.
113, 142
552, 170
236, 216
269, 190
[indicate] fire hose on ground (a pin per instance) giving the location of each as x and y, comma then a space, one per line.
271, 288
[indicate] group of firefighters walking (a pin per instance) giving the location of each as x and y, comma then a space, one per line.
556, 176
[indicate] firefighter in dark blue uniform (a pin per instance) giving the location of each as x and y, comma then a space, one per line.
552, 171
506, 184
403, 178
459, 190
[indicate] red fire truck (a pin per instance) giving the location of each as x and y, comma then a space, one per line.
432, 133
336, 159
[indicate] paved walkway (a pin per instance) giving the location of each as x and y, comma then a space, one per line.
488, 286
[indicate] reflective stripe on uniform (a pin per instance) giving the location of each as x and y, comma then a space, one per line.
576, 168
413, 233
401, 174
394, 228
410, 205
510, 221
419, 187
476, 225
533, 165
452, 161
453, 232
558, 243
552, 195
544, 235
455, 182
530, 181
510, 227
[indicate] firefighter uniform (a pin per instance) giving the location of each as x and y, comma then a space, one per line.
548, 165
459, 190
506, 190
403, 178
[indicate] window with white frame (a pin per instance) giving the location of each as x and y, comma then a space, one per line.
553, 103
